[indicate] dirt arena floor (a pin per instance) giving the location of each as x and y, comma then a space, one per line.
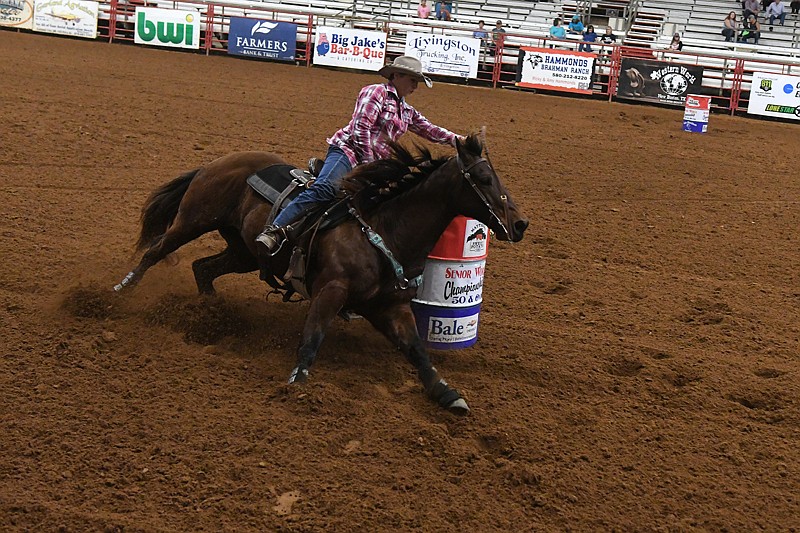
638, 358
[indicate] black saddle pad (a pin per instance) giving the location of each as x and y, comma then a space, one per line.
270, 182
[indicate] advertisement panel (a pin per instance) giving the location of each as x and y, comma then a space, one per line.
775, 95
658, 81
557, 70
167, 27
349, 48
445, 55
76, 18
267, 39
16, 13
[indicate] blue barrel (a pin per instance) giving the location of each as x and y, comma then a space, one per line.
447, 328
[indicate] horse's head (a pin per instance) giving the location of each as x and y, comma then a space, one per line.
483, 196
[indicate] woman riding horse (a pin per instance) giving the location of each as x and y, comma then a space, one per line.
369, 264
381, 116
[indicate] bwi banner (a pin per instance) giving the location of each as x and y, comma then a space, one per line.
658, 81
775, 95
349, 48
262, 38
77, 18
16, 13
167, 27
558, 70
445, 55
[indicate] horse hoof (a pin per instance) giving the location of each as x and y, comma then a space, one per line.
459, 407
298, 375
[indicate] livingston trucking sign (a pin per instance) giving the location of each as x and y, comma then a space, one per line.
445, 55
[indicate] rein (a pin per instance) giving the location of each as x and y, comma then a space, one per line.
467, 176
377, 241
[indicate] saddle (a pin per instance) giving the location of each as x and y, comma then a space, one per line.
279, 185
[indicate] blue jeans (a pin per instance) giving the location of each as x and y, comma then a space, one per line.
584, 47
324, 189
782, 16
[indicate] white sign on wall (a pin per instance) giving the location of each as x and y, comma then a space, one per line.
349, 48
77, 18
445, 55
167, 27
775, 95
562, 70
16, 13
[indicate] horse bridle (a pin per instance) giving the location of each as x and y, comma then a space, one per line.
467, 176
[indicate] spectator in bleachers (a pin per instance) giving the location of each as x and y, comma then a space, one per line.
557, 31
498, 36
589, 36
751, 7
676, 43
776, 10
575, 26
423, 10
381, 115
608, 37
444, 10
795, 5
481, 32
729, 27
751, 30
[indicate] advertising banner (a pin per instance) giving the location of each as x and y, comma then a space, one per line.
557, 70
16, 13
445, 55
167, 27
349, 48
775, 95
262, 38
658, 81
76, 18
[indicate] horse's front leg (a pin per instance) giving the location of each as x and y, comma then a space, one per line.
324, 307
397, 323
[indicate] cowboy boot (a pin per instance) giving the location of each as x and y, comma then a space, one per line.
272, 238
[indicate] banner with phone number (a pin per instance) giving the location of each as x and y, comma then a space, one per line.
558, 70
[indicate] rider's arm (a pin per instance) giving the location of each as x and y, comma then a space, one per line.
423, 127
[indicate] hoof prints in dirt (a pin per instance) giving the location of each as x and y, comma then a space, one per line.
83, 302
203, 320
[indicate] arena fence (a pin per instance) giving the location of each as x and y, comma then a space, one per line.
613, 73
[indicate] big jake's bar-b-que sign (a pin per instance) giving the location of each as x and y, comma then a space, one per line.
344, 47
658, 81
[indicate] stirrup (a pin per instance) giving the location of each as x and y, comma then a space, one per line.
272, 237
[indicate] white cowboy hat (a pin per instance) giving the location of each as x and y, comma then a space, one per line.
406, 65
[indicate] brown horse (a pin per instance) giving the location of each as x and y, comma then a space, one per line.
407, 200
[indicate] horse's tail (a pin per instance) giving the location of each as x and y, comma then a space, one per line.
161, 208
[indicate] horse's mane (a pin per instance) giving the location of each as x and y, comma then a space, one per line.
376, 182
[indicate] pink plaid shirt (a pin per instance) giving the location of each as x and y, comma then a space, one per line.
380, 116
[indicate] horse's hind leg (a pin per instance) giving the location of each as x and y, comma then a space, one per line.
235, 258
176, 236
397, 324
